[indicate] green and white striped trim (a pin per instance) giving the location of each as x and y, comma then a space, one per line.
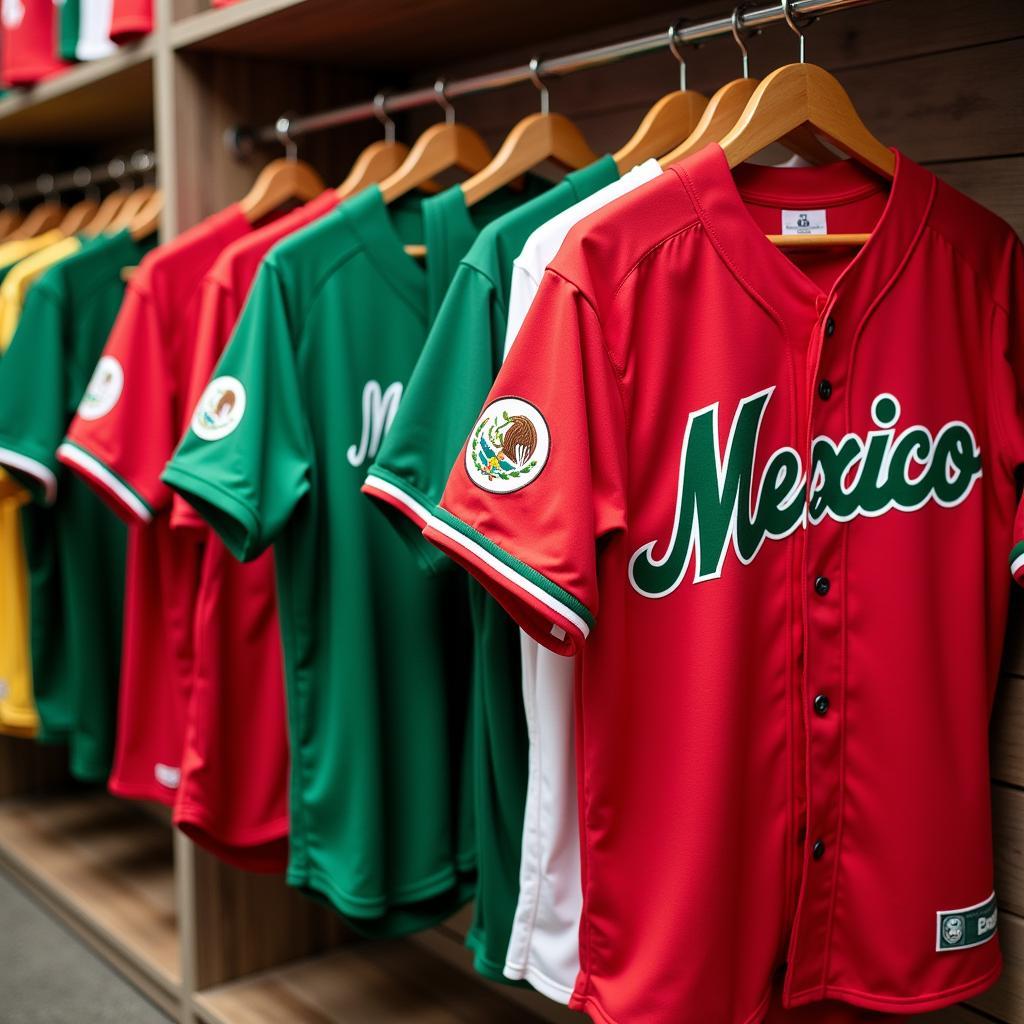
1017, 559
510, 568
33, 468
515, 571
375, 483
107, 478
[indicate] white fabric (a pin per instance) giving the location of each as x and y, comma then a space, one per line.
544, 944
94, 40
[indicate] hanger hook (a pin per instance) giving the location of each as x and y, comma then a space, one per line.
46, 185
796, 23
7, 199
673, 45
441, 95
740, 33
535, 77
380, 111
283, 131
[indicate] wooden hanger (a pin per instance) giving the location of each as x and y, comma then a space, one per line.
439, 148
805, 94
135, 201
10, 221
372, 166
147, 221
668, 122
43, 217
536, 138
78, 217
282, 181
109, 208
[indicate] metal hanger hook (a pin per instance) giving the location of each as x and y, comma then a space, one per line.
46, 185
283, 131
380, 111
797, 24
7, 199
441, 95
673, 45
739, 33
545, 96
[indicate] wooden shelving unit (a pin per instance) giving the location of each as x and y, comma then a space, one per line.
208, 943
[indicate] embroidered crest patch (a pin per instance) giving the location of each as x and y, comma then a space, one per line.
220, 409
103, 390
509, 446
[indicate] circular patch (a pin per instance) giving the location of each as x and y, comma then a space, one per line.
103, 390
509, 446
953, 930
220, 409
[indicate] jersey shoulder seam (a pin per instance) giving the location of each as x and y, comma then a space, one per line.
651, 250
962, 258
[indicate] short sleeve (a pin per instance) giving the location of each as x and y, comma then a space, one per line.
244, 462
32, 399
541, 478
124, 432
438, 409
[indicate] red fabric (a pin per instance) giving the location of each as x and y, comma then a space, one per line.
130, 20
233, 797
28, 45
126, 448
676, 359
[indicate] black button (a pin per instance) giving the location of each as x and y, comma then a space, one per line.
821, 704
830, 327
825, 389
818, 850
822, 585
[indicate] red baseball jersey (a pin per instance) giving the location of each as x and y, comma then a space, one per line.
130, 19
124, 432
28, 49
233, 797
767, 497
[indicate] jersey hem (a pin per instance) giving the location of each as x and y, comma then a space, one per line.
136, 791
267, 855
593, 1009
542, 982
188, 812
18, 718
371, 907
903, 1004
189, 485
109, 485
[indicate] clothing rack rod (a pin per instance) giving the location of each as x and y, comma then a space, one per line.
752, 19
140, 162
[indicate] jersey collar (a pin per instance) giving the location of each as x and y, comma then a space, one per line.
717, 196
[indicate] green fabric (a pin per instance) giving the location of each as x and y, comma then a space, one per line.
451, 381
69, 15
375, 652
76, 548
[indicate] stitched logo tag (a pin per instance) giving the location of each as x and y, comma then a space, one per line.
804, 222
971, 926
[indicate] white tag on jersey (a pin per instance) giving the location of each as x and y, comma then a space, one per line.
804, 222
167, 775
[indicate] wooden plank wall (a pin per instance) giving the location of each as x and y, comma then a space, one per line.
939, 79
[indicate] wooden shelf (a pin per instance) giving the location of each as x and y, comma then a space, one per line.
100, 99
107, 871
404, 35
382, 982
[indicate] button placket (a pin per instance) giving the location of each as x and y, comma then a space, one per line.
822, 680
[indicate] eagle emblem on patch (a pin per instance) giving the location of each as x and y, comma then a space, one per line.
509, 446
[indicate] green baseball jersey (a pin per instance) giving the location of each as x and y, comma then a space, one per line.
442, 402
69, 19
75, 546
375, 654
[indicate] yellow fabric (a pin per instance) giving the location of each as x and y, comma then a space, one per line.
17, 709
12, 252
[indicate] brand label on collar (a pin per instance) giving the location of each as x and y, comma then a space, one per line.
804, 222
961, 929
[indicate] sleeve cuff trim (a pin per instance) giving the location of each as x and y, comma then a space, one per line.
88, 465
379, 488
525, 577
46, 477
1017, 560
